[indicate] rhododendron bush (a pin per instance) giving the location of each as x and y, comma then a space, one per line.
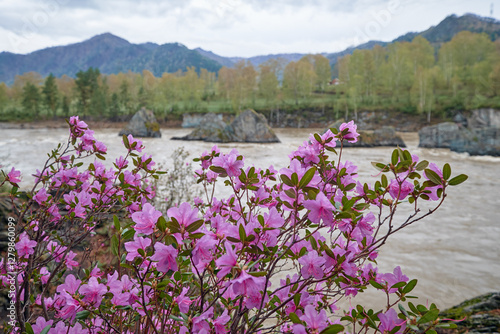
278, 255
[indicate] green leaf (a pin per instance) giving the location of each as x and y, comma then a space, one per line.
126, 142
431, 315
295, 179
380, 166
398, 285
409, 287
128, 234
82, 315
395, 157
384, 181
161, 224
403, 310
422, 165
376, 285
29, 329
194, 226
114, 245
433, 176
332, 329
431, 331
294, 318
304, 181
46, 329
446, 171
458, 179
286, 180
258, 273
243, 234
116, 222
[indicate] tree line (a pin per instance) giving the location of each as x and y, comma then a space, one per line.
414, 77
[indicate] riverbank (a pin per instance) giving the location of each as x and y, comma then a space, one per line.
366, 120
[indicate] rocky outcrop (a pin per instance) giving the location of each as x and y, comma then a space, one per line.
478, 134
212, 129
247, 127
438, 136
142, 124
480, 314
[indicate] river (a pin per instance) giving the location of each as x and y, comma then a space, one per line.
454, 254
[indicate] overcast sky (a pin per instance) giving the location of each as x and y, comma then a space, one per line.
227, 27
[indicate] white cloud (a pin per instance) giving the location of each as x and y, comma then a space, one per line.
226, 27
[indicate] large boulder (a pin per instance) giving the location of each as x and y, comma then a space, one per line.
142, 124
252, 127
211, 128
438, 136
481, 136
248, 127
477, 315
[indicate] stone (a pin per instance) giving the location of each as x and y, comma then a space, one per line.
484, 118
481, 136
212, 129
252, 127
438, 136
247, 127
142, 124
479, 141
480, 314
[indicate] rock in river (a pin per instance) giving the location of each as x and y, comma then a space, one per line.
247, 127
142, 124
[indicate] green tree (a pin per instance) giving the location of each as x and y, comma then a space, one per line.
268, 82
50, 94
299, 79
31, 99
86, 86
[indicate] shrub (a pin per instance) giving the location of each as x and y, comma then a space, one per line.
214, 266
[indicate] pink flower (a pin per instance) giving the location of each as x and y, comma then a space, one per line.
220, 323
400, 193
41, 196
389, 320
40, 324
311, 265
93, 292
146, 219
320, 208
227, 261
202, 252
230, 163
248, 285
133, 246
183, 214
314, 320
166, 257
352, 134
25, 246
14, 176
183, 301
71, 284
396, 277
135, 144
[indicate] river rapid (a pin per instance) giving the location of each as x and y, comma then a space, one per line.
454, 254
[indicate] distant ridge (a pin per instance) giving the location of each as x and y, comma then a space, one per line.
112, 54
107, 52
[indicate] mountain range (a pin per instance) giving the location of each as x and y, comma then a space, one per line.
112, 54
